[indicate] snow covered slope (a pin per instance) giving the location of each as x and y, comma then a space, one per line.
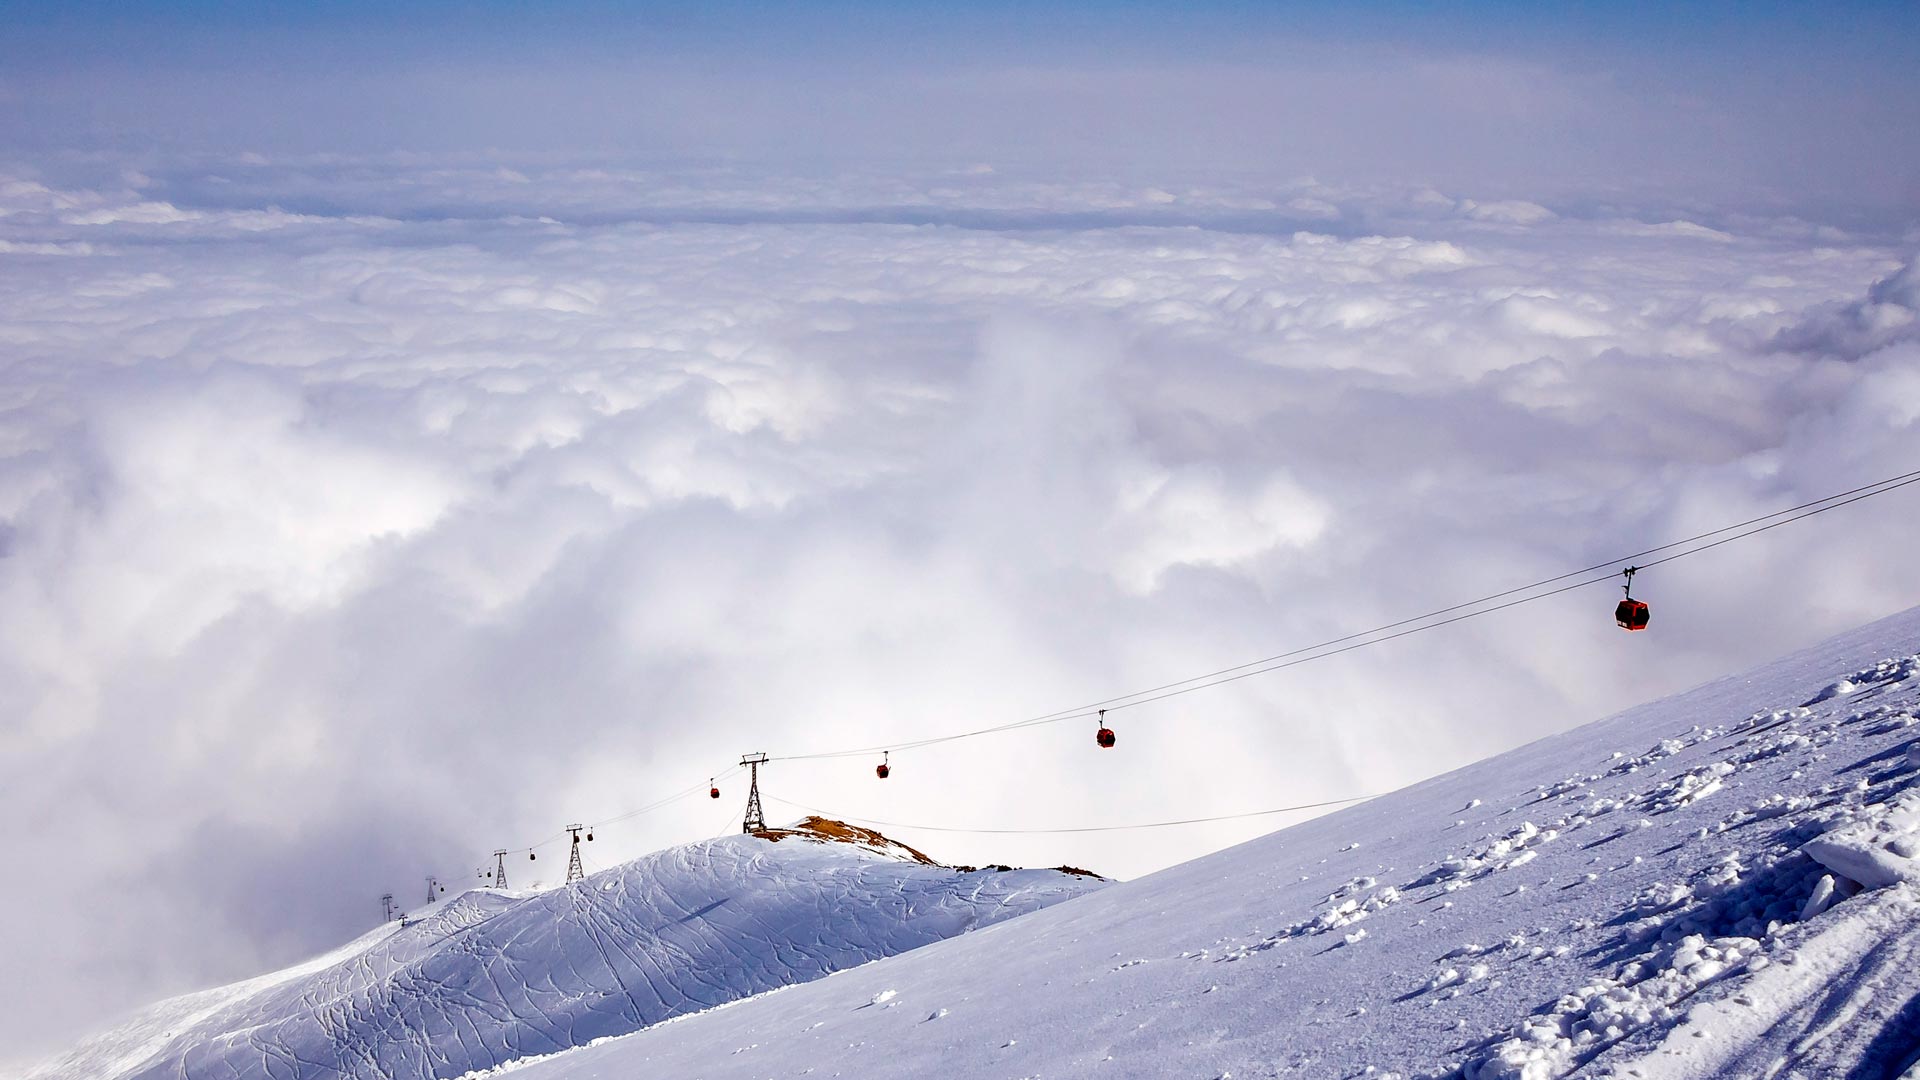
488, 976
1719, 884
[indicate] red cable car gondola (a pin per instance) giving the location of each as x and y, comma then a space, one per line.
1105, 735
1631, 614
882, 770
714, 791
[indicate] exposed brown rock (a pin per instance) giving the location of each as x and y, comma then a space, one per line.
828, 831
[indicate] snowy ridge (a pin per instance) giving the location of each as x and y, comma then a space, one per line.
1719, 884
490, 976
122, 1049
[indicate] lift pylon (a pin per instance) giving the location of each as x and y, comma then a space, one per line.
755, 821
574, 872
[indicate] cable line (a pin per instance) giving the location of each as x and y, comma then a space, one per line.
1908, 477
1080, 829
676, 797
1377, 635
627, 815
1788, 521
1608, 577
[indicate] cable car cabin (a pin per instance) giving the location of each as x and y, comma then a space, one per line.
713, 792
1104, 737
1631, 615
882, 771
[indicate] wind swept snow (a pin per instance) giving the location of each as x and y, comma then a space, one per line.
491, 976
1718, 884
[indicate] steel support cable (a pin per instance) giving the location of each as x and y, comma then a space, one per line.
649, 808
1092, 707
1489, 610
630, 814
676, 797
1777, 524
1077, 829
1376, 635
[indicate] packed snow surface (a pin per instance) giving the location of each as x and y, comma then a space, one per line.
1722, 883
489, 975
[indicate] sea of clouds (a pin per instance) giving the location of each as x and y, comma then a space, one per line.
359, 516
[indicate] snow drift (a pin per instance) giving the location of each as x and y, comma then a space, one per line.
1718, 884
489, 976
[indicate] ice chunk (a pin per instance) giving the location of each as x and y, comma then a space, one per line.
1879, 849
1820, 900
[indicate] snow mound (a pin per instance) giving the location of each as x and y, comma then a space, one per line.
487, 977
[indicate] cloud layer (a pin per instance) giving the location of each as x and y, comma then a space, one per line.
357, 518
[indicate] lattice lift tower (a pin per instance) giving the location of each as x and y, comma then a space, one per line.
755, 821
574, 872
500, 868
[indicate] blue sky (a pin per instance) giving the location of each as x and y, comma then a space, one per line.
1866, 34
1771, 103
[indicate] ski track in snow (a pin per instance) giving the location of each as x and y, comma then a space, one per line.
1663, 894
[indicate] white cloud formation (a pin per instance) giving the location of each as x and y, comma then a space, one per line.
341, 544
